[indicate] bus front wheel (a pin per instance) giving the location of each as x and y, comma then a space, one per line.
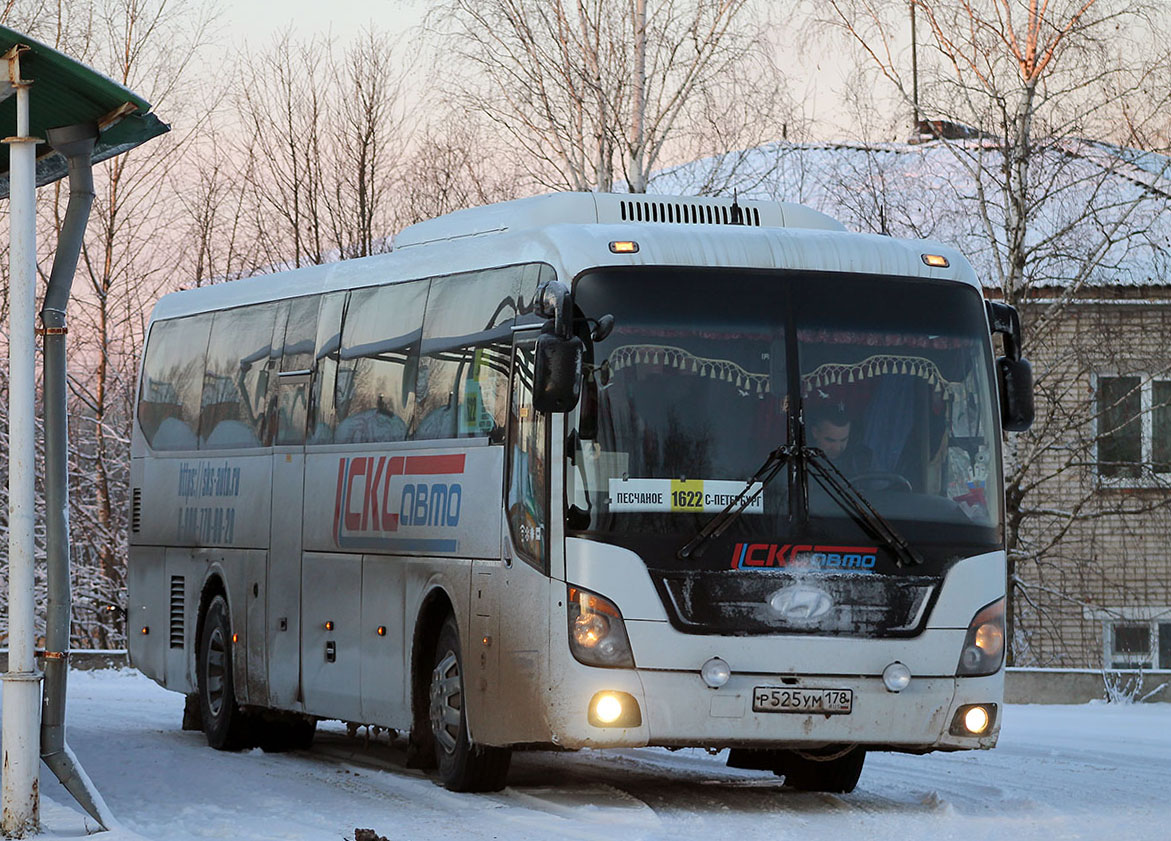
223, 720
463, 766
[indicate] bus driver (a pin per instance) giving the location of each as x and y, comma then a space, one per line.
829, 430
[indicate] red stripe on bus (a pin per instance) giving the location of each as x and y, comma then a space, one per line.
431, 465
337, 499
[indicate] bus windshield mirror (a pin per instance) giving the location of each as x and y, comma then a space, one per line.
753, 488
846, 494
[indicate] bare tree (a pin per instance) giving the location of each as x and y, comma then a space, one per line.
150, 47
316, 152
588, 89
1028, 98
281, 105
367, 121
451, 168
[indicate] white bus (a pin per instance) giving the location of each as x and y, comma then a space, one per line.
585, 471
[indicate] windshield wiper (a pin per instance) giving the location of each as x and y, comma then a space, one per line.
847, 495
752, 489
841, 489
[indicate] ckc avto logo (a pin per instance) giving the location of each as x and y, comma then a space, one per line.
801, 603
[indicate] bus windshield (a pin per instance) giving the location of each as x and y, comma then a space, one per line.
697, 384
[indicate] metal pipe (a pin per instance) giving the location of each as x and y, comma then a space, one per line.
20, 796
76, 143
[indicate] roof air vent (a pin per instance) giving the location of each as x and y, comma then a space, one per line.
679, 213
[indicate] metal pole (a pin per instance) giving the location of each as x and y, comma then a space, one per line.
22, 695
76, 143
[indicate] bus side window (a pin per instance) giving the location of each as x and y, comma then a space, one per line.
322, 416
374, 396
463, 366
291, 397
172, 380
528, 489
240, 362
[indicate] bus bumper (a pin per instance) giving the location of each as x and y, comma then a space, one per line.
678, 710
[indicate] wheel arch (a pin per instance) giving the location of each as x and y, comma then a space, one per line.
214, 585
436, 606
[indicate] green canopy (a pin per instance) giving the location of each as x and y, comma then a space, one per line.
65, 92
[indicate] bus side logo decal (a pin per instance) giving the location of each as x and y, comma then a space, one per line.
398, 502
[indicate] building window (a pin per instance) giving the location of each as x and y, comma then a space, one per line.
1139, 643
1134, 427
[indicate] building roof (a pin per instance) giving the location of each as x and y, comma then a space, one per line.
1094, 204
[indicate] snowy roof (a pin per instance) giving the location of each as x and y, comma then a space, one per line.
1099, 213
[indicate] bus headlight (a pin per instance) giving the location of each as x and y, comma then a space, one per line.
983, 651
597, 634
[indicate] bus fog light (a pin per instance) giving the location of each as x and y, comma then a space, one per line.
973, 720
715, 672
976, 720
608, 708
896, 677
614, 709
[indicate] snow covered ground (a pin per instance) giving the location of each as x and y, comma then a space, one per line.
1094, 772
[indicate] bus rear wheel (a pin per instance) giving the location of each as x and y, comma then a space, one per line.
224, 723
834, 771
463, 766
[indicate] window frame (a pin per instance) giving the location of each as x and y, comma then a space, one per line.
1154, 619
1147, 477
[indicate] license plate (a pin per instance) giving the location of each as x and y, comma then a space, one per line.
782, 699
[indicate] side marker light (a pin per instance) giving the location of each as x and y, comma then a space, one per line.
624, 247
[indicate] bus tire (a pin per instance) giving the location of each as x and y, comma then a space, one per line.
463, 766
224, 722
838, 772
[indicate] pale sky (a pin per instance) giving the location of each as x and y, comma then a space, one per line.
257, 20
817, 75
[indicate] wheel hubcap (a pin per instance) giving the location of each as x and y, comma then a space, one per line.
216, 658
446, 701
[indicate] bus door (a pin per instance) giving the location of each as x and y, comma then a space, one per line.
527, 594
288, 413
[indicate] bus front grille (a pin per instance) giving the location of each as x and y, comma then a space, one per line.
738, 602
